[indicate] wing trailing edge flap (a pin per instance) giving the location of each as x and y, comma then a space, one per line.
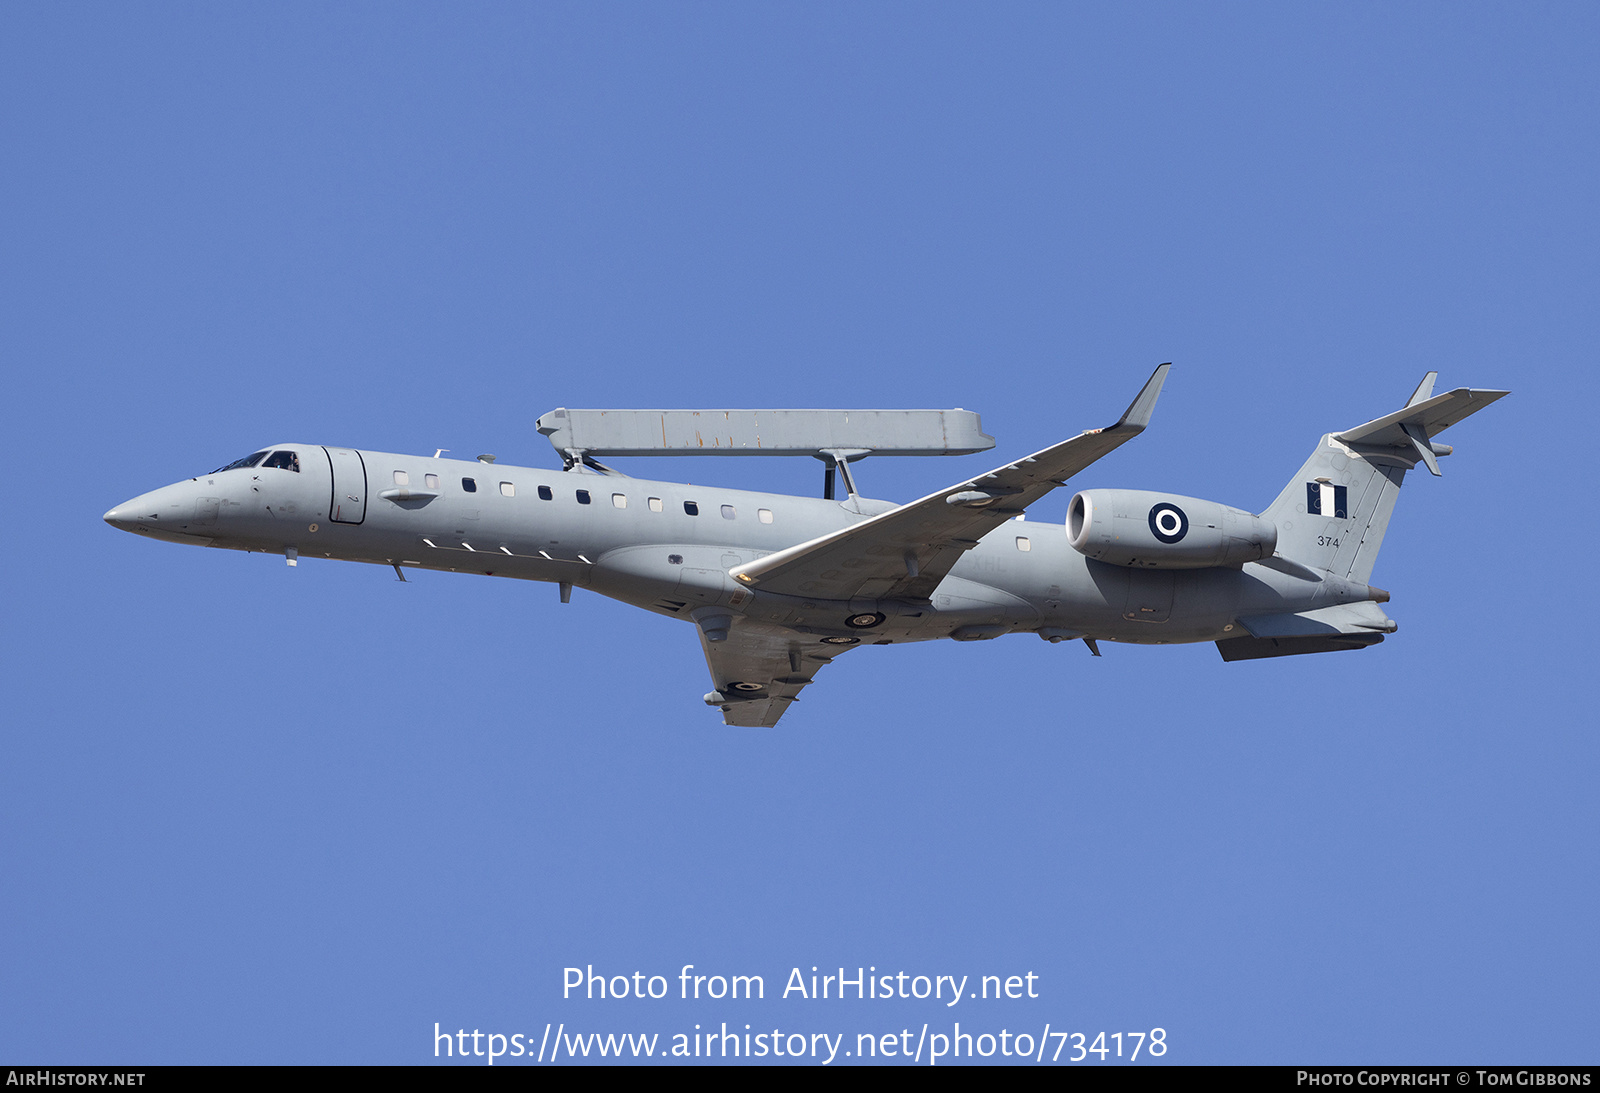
905, 552
758, 713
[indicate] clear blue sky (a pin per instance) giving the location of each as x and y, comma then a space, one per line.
258, 814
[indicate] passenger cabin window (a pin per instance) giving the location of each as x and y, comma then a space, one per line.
545, 494
764, 515
583, 497
619, 500
655, 504
508, 489
286, 460
237, 464
401, 478
692, 508
727, 512
432, 480
1023, 543
469, 485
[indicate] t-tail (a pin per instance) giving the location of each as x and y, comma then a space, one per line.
1333, 514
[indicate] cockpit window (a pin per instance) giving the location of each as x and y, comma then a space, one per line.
247, 461
287, 460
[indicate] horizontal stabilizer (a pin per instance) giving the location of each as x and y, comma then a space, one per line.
1429, 417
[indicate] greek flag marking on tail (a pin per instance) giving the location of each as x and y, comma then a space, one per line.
1326, 499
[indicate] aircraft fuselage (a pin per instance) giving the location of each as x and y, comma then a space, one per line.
667, 548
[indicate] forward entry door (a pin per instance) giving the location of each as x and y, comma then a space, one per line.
348, 505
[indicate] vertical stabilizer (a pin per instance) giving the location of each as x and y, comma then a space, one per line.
1333, 515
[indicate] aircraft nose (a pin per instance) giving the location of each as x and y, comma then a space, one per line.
146, 508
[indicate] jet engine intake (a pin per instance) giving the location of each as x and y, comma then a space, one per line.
1146, 530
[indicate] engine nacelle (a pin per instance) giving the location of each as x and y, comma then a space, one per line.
1159, 531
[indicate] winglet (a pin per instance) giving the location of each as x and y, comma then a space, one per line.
1140, 409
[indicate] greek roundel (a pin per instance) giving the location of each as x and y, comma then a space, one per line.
1168, 523
1326, 499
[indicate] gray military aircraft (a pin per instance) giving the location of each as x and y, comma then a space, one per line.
778, 586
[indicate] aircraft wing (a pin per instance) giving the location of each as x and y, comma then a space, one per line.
906, 552
758, 670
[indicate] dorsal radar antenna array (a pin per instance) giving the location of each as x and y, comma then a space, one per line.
837, 437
